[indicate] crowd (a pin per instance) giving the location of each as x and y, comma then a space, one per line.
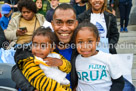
59, 44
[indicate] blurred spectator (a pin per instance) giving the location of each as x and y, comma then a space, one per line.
49, 14
6, 11
2, 37
125, 8
13, 4
72, 2
79, 7
39, 5
114, 4
22, 26
46, 6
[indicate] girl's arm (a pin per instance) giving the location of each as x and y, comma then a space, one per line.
62, 63
117, 84
66, 66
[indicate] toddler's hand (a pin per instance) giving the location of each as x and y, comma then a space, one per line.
53, 61
36, 90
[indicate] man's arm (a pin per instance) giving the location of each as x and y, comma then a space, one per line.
117, 84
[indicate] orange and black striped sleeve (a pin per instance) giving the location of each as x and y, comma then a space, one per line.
37, 78
66, 66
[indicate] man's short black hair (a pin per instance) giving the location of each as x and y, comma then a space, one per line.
65, 6
29, 4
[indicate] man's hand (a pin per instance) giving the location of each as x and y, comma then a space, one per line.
20, 32
53, 61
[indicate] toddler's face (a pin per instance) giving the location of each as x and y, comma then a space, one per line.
86, 42
39, 4
41, 46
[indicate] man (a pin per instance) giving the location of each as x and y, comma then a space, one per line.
64, 23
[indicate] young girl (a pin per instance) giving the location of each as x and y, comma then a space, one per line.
95, 69
42, 47
39, 5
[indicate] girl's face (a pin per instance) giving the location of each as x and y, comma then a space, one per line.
86, 42
27, 14
39, 4
96, 5
41, 46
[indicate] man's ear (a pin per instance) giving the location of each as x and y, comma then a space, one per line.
76, 23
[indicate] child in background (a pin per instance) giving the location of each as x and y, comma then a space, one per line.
39, 5
96, 70
79, 7
6, 11
42, 47
49, 14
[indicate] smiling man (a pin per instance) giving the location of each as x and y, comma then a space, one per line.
64, 23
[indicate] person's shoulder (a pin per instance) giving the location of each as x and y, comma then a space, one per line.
108, 13
2, 18
16, 15
50, 11
39, 15
105, 54
88, 11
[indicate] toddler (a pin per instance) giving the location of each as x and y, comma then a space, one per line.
42, 49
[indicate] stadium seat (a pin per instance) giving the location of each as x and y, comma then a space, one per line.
5, 75
3, 88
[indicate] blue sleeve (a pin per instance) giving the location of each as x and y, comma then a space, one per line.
2, 25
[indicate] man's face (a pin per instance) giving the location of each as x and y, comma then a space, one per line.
64, 23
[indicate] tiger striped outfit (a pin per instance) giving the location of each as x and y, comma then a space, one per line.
38, 79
